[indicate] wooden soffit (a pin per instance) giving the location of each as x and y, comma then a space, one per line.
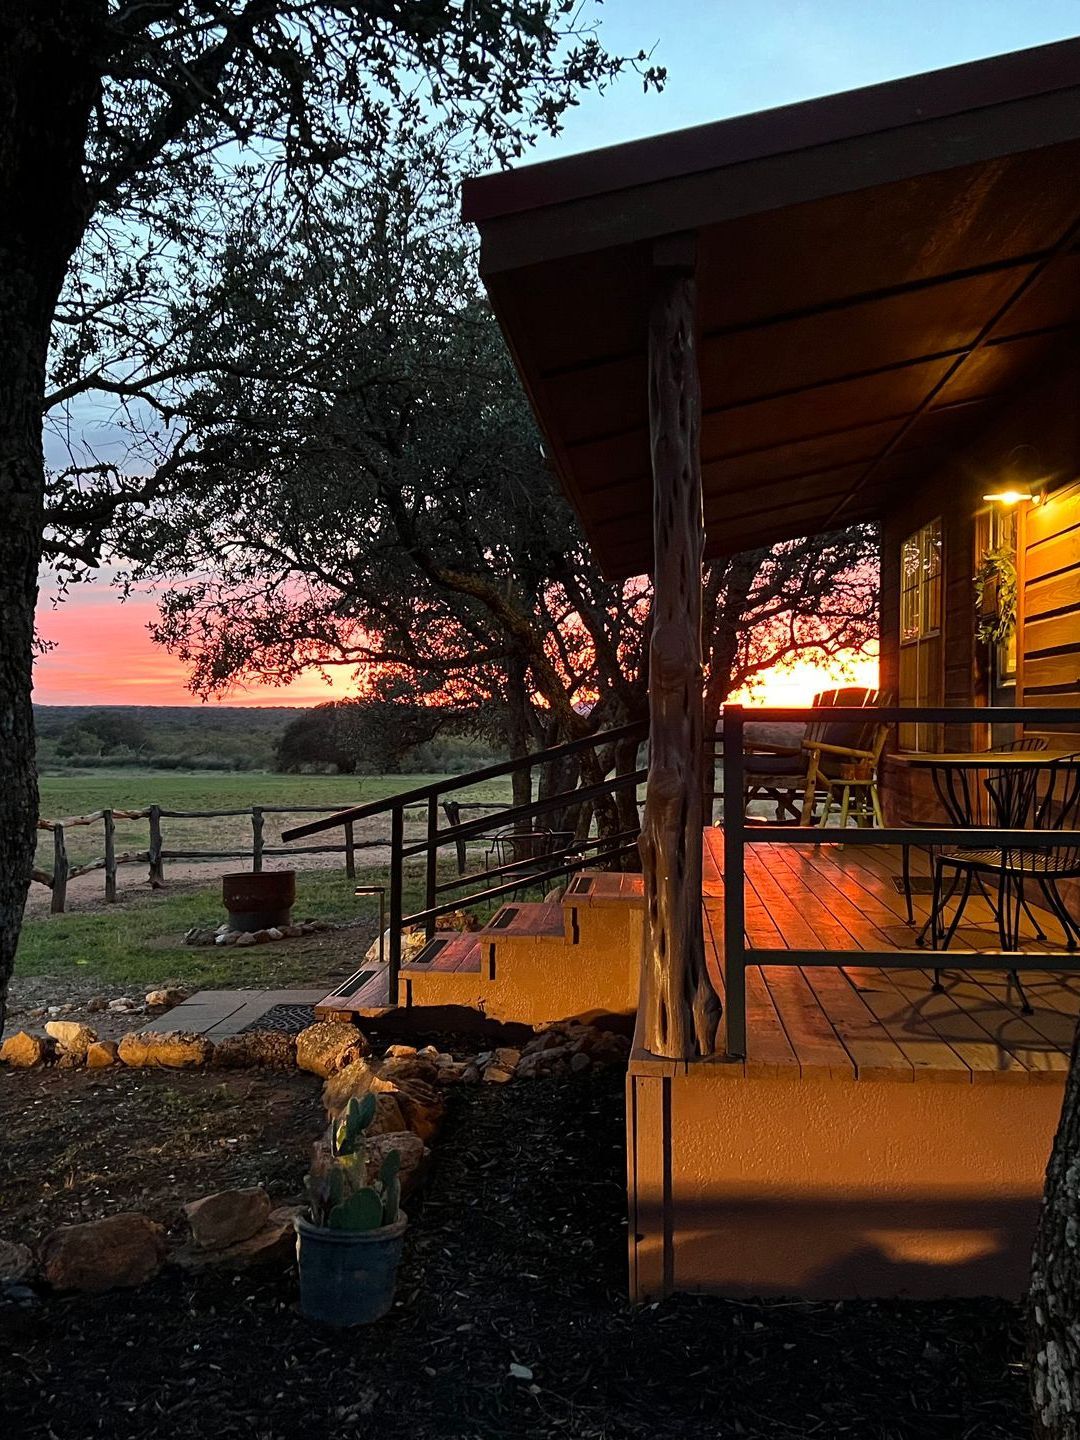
876, 271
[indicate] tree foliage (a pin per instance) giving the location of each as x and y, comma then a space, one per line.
137, 136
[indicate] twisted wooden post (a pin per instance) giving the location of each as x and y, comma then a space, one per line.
681, 1008
109, 823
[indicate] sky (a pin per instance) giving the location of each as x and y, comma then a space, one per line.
723, 58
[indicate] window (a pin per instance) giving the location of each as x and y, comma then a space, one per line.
920, 584
921, 674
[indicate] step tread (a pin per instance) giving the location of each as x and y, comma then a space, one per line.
446, 953
603, 887
534, 917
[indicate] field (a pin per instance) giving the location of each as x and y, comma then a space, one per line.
80, 794
140, 939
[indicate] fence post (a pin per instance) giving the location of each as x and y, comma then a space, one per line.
397, 838
256, 839
733, 771
60, 871
157, 867
431, 872
110, 856
350, 851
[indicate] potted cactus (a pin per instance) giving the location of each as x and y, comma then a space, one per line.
349, 1245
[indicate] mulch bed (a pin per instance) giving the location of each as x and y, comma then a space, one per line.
79, 1144
515, 1257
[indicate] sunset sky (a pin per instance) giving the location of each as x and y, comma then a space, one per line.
723, 58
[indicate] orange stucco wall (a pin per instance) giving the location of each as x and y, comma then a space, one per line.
828, 1188
591, 971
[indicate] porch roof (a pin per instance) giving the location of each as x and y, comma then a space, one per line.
875, 270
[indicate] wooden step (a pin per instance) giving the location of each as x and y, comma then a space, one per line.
446, 952
525, 918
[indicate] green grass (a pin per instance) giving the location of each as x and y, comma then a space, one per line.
81, 794
141, 940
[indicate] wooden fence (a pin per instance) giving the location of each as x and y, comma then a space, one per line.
155, 855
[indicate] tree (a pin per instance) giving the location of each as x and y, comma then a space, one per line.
371, 733
130, 128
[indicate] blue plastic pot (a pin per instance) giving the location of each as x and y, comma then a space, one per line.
347, 1277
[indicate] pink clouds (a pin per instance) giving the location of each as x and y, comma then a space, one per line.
103, 655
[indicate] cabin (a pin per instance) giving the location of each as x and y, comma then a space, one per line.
861, 309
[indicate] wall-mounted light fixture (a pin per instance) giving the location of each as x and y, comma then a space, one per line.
1027, 480
1011, 497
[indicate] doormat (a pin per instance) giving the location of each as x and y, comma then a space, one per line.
920, 885
285, 1019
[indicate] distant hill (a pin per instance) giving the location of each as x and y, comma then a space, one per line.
170, 737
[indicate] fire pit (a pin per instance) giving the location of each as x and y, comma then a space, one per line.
257, 902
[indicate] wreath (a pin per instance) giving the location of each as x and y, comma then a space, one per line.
996, 587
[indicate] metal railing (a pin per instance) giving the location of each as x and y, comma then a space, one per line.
514, 875
738, 834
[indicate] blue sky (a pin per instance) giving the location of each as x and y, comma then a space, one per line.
727, 57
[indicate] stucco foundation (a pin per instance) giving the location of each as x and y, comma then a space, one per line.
832, 1188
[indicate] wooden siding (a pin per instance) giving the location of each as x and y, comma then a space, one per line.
1049, 646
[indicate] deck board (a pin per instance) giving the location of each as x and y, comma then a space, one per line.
872, 1023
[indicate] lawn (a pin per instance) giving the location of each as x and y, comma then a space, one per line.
81, 794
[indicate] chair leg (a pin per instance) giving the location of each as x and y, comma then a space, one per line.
905, 874
875, 801
968, 882
1064, 919
1025, 1003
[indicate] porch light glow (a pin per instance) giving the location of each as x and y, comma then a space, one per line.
1008, 497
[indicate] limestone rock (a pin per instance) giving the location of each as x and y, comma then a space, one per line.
497, 1075
245, 937
409, 1067
116, 1252
410, 1148
328, 1045
256, 1048
23, 1051
228, 1217
17, 1261
389, 1118
421, 1105
580, 1062
400, 1051
101, 1054
96, 1004
273, 1242
169, 1050
354, 1079
71, 1036
506, 1056
171, 994
122, 1005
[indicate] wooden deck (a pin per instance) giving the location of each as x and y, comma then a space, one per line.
872, 1023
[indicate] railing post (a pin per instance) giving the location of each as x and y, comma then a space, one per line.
60, 871
397, 839
431, 869
110, 856
350, 851
734, 882
157, 867
256, 839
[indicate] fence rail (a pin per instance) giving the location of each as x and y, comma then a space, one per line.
157, 853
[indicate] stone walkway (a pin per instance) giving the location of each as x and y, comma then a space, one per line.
218, 1013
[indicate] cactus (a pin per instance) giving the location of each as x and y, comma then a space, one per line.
340, 1194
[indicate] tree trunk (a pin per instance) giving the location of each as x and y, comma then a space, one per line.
727, 590
47, 89
1054, 1297
681, 1008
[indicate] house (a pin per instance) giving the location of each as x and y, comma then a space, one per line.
858, 309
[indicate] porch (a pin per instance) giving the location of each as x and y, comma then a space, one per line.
868, 1022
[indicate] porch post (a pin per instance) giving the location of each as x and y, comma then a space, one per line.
682, 1010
